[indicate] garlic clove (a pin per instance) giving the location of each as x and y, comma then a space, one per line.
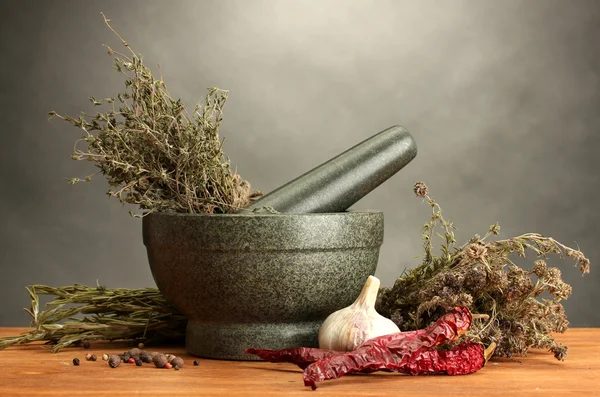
348, 328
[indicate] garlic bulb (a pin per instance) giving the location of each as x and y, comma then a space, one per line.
347, 329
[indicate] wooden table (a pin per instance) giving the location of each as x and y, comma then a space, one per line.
32, 371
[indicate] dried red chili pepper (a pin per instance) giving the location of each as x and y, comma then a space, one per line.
301, 356
390, 351
464, 358
304, 356
415, 348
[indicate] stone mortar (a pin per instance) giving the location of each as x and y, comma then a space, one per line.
262, 280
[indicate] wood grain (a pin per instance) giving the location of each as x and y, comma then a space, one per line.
32, 371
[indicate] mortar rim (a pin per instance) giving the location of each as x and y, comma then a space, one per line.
267, 214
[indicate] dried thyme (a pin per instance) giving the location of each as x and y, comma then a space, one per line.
481, 276
152, 152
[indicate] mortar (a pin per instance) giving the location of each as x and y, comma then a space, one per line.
264, 280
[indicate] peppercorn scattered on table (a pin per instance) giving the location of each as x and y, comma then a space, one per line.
33, 371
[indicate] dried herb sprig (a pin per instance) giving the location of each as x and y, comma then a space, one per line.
152, 152
108, 315
481, 276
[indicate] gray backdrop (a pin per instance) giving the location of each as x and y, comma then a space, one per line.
501, 97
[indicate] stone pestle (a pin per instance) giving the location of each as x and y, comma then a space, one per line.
337, 184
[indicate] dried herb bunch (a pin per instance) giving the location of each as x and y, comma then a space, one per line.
481, 276
153, 153
108, 315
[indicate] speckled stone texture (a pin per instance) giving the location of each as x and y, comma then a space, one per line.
262, 280
337, 184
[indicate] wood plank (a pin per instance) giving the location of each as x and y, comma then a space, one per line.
33, 371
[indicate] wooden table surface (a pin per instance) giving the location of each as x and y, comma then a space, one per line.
33, 371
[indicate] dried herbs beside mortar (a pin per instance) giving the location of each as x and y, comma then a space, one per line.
481, 276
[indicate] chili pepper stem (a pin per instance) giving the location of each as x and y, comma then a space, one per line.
489, 351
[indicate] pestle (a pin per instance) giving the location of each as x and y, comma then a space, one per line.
337, 184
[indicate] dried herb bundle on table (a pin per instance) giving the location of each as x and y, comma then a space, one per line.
480, 275
108, 314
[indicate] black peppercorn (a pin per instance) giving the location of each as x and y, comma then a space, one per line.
196, 362
177, 362
125, 356
135, 352
145, 357
93, 357
170, 357
160, 360
114, 360
138, 362
75, 361
86, 344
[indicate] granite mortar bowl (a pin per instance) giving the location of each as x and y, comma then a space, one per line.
261, 280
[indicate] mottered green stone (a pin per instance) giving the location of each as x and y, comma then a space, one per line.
262, 280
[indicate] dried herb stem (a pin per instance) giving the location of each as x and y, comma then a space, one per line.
108, 314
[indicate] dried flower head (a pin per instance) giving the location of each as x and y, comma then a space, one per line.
494, 229
560, 352
475, 279
420, 189
560, 290
540, 267
584, 266
553, 275
476, 251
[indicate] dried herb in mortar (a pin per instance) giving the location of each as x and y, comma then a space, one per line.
155, 154
480, 275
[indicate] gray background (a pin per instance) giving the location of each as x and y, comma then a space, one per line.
502, 98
